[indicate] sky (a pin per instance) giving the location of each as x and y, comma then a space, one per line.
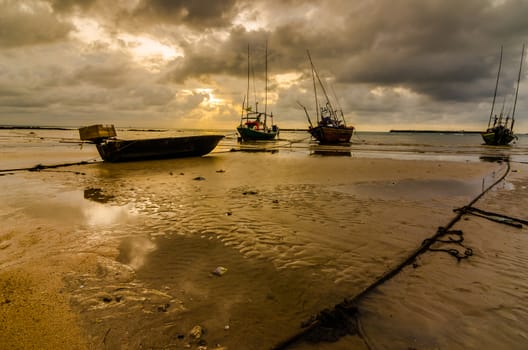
406, 64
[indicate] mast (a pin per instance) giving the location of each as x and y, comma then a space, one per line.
315, 87
306, 112
339, 106
266, 92
332, 111
496, 86
247, 93
517, 89
243, 109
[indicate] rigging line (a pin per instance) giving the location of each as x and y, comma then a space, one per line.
314, 86
496, 86
350, 305
332, 112
243, 109
517, 89
338, 105
254, 88
266, 88
247, 92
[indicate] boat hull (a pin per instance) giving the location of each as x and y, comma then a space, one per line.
330, 135
493, 138
248, 134
113, 150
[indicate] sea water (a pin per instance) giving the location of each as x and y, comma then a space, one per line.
29, 147
298, 227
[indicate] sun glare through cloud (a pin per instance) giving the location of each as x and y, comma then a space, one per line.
287, 80
210, 100
148, 51
145, 51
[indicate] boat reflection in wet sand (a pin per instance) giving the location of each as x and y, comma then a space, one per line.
334, 151
112, 149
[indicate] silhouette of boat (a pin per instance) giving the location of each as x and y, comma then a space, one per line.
257, 125
500, 133
112, 149
331, 128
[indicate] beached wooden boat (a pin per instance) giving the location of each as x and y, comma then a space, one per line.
498, 136
251, 131
331, 127
112, 149
327, 134
257, 125
500, 133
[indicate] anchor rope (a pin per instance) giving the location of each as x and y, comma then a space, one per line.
343, 318
40, 167
500, 218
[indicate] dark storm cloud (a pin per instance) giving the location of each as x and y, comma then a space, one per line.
211, 56
24, 24
196, 13
70, 5
443, 49
436, 48
112, 76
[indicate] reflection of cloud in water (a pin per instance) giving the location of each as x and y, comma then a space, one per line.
71, 208
133, 251
102, 215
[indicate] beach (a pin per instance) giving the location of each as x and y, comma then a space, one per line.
238, 249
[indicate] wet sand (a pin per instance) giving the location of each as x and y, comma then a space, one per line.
120, 256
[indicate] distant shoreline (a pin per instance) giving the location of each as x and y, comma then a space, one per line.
435, 131
16, 127
401, 131
23, 127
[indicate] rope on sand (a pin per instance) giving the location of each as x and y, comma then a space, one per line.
331, 324
500, 218
40, 167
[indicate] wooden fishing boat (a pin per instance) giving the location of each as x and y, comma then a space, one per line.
328, 133
112, 149
498, 136
331, 127
253, 131
257, 125
500, 133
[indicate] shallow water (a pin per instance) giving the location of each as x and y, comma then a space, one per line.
297, 232
25, 148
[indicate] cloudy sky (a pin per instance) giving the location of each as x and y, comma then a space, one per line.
428, 64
